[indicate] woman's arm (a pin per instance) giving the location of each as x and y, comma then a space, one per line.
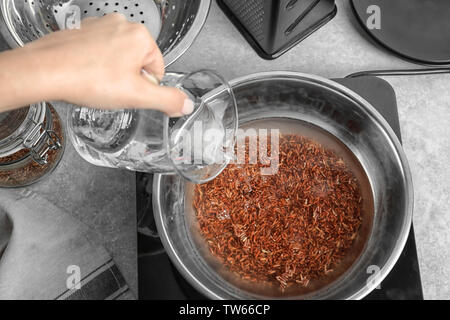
21, 80
98, 66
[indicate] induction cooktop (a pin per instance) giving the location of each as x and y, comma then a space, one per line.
158, 279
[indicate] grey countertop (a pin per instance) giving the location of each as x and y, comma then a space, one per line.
104, 199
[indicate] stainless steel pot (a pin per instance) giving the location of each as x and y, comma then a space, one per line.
353, 121
178, 22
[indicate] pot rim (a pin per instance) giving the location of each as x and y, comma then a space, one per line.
374, 114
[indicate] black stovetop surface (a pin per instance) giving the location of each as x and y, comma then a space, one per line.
158, 279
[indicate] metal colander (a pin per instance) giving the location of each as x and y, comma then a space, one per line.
174, 23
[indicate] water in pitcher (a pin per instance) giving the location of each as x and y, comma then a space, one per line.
108, 138
133, 139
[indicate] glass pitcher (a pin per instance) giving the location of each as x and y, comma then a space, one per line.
197, 146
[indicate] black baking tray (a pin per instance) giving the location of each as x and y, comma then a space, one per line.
158, 279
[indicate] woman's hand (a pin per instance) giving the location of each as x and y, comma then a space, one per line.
98, 65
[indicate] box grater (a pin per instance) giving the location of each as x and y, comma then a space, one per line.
272, 27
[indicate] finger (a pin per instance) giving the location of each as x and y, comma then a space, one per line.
154, 62
154, 65
114, 16
88, 21
151, 78
110, 18
169, 100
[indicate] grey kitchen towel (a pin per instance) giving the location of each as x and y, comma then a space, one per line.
47, 254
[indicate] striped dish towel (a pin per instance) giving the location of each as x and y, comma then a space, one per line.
47, 254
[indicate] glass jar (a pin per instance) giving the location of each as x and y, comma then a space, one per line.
31, 144
197, 146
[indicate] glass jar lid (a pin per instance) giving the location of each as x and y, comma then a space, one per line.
31, 130
11, 121
19, 126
